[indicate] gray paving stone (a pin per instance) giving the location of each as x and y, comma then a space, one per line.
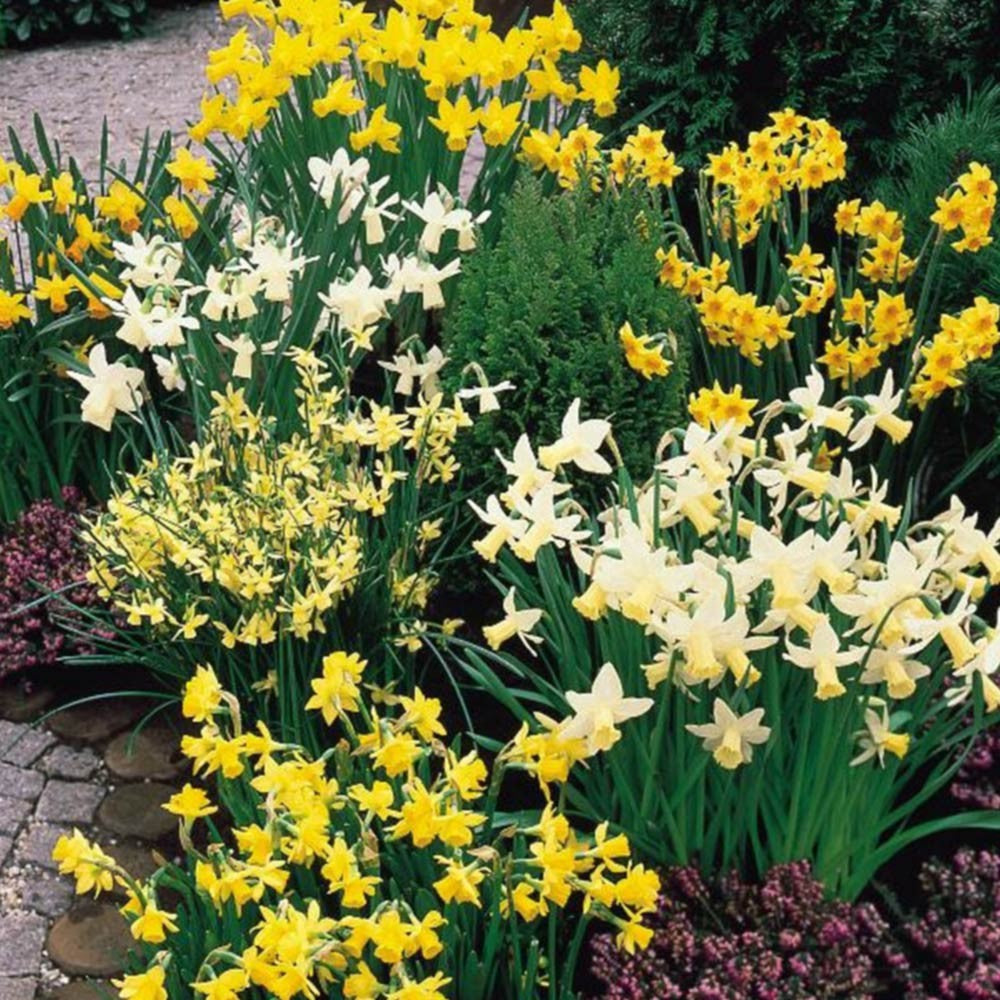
91, 940
22, 936
17, 989
49, 895
5, 845
96, 721
137, 811
21, 744
152, 753
69, 802
83, 989
65, 762
34, 845
13, 812
20, 783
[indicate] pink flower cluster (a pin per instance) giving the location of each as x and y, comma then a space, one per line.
956, 941
977, 784
39, 554
780, 940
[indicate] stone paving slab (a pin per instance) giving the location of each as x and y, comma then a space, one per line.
13, 813
72, 802
49, 895
20, 783
65, 762
34, 846
91, 940
22, 744
17, 989
22, 936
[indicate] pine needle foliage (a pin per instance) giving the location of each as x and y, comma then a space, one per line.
708, 69
543, 307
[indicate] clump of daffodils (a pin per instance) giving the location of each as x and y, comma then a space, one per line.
474, 81
361, 873
761, 287
756, 574
792, 153
807, 572
257, 535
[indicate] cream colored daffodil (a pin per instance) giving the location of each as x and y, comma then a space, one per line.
598, 712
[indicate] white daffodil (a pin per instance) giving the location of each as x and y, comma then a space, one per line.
950, 627
880, 412
137, 320
578, 443
527, 475
877, 738
244, 348
984, 666
111, 388
487, 395
598, 713
358, 303
275, 266
547, 526
434, 214
419, 276
374, 212
411, 371
710, 642
155, 262
637, 577
814, 414
514, 623
327, 174
731, 737
824, 658
891, 665
170, 373
503, 528
168, 323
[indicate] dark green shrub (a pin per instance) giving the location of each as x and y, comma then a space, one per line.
933, 151
928, 158
36, 21
715, 68
543, 307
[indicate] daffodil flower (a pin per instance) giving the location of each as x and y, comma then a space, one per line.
598, 712
880, 412
823, 657
514, 623
579, 443
111, 388
731, 737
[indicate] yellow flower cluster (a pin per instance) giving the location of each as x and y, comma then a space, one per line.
729, 318
76, 224
259, 536
885, 320
576, 155
444, 47
363, 937
970, 336
642, 354
716, 407
969, 206
81, 230
794, 152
